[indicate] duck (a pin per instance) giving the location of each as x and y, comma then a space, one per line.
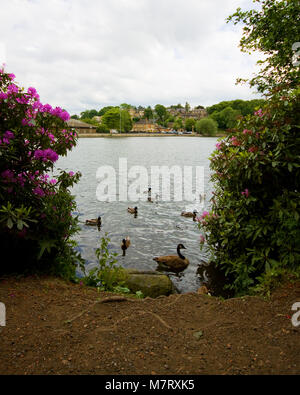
125, 244
149, 199
189, 214
132, 210
173, 262
94, 221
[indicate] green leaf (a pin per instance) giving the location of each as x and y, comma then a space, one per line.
9, 223
20, 224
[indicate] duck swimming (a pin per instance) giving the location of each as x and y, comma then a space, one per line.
189, 214
174, 263
125, 244
132, 210
94, 221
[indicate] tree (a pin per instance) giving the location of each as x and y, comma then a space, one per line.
161, 112
125, 106
178, 124
148, 113
170, 118
101, 128
104, 110
227, 118
273, 31
74, 116
256, 168
88, 114
90, 121
187, 107
189, 124
126, 122
177, 106
112, 120
244, 107
206, 126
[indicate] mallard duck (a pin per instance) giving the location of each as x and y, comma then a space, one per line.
125, 244
189, 214
132, 210
173, 262
94, 222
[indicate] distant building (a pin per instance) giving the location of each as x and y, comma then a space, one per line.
81, 127
134, 113
143, 125
196, 113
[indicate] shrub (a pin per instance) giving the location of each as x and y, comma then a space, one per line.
36, 224
102, 129
252, 230
106, 275
206, 126
189, 124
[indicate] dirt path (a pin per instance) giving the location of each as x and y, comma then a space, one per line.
53, 327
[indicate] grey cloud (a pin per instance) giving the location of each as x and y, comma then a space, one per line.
87, 54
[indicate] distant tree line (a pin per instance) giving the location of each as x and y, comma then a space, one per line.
221, 116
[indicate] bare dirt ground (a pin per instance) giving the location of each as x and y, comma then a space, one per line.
54, 327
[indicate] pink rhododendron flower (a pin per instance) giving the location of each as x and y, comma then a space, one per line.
39, 191
247, 131
204, 214
3, 96
235, 142
202, 239
47, 154
32, 91
246, 193
259, 113
253, 149
71, 173
46, 108
12, 88
9, 135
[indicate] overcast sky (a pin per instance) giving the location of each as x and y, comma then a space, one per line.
84, 54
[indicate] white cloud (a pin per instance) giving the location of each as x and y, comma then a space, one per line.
87, 54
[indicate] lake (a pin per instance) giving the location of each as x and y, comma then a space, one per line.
159, 227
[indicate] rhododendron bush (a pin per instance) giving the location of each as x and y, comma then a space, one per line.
252, 230
35, 207
253, 227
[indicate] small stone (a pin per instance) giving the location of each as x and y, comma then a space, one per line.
198, 335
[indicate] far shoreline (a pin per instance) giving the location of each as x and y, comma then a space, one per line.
107, 135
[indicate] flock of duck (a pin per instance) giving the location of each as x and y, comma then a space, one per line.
174, 263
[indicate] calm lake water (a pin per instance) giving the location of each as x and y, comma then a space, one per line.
159, 227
